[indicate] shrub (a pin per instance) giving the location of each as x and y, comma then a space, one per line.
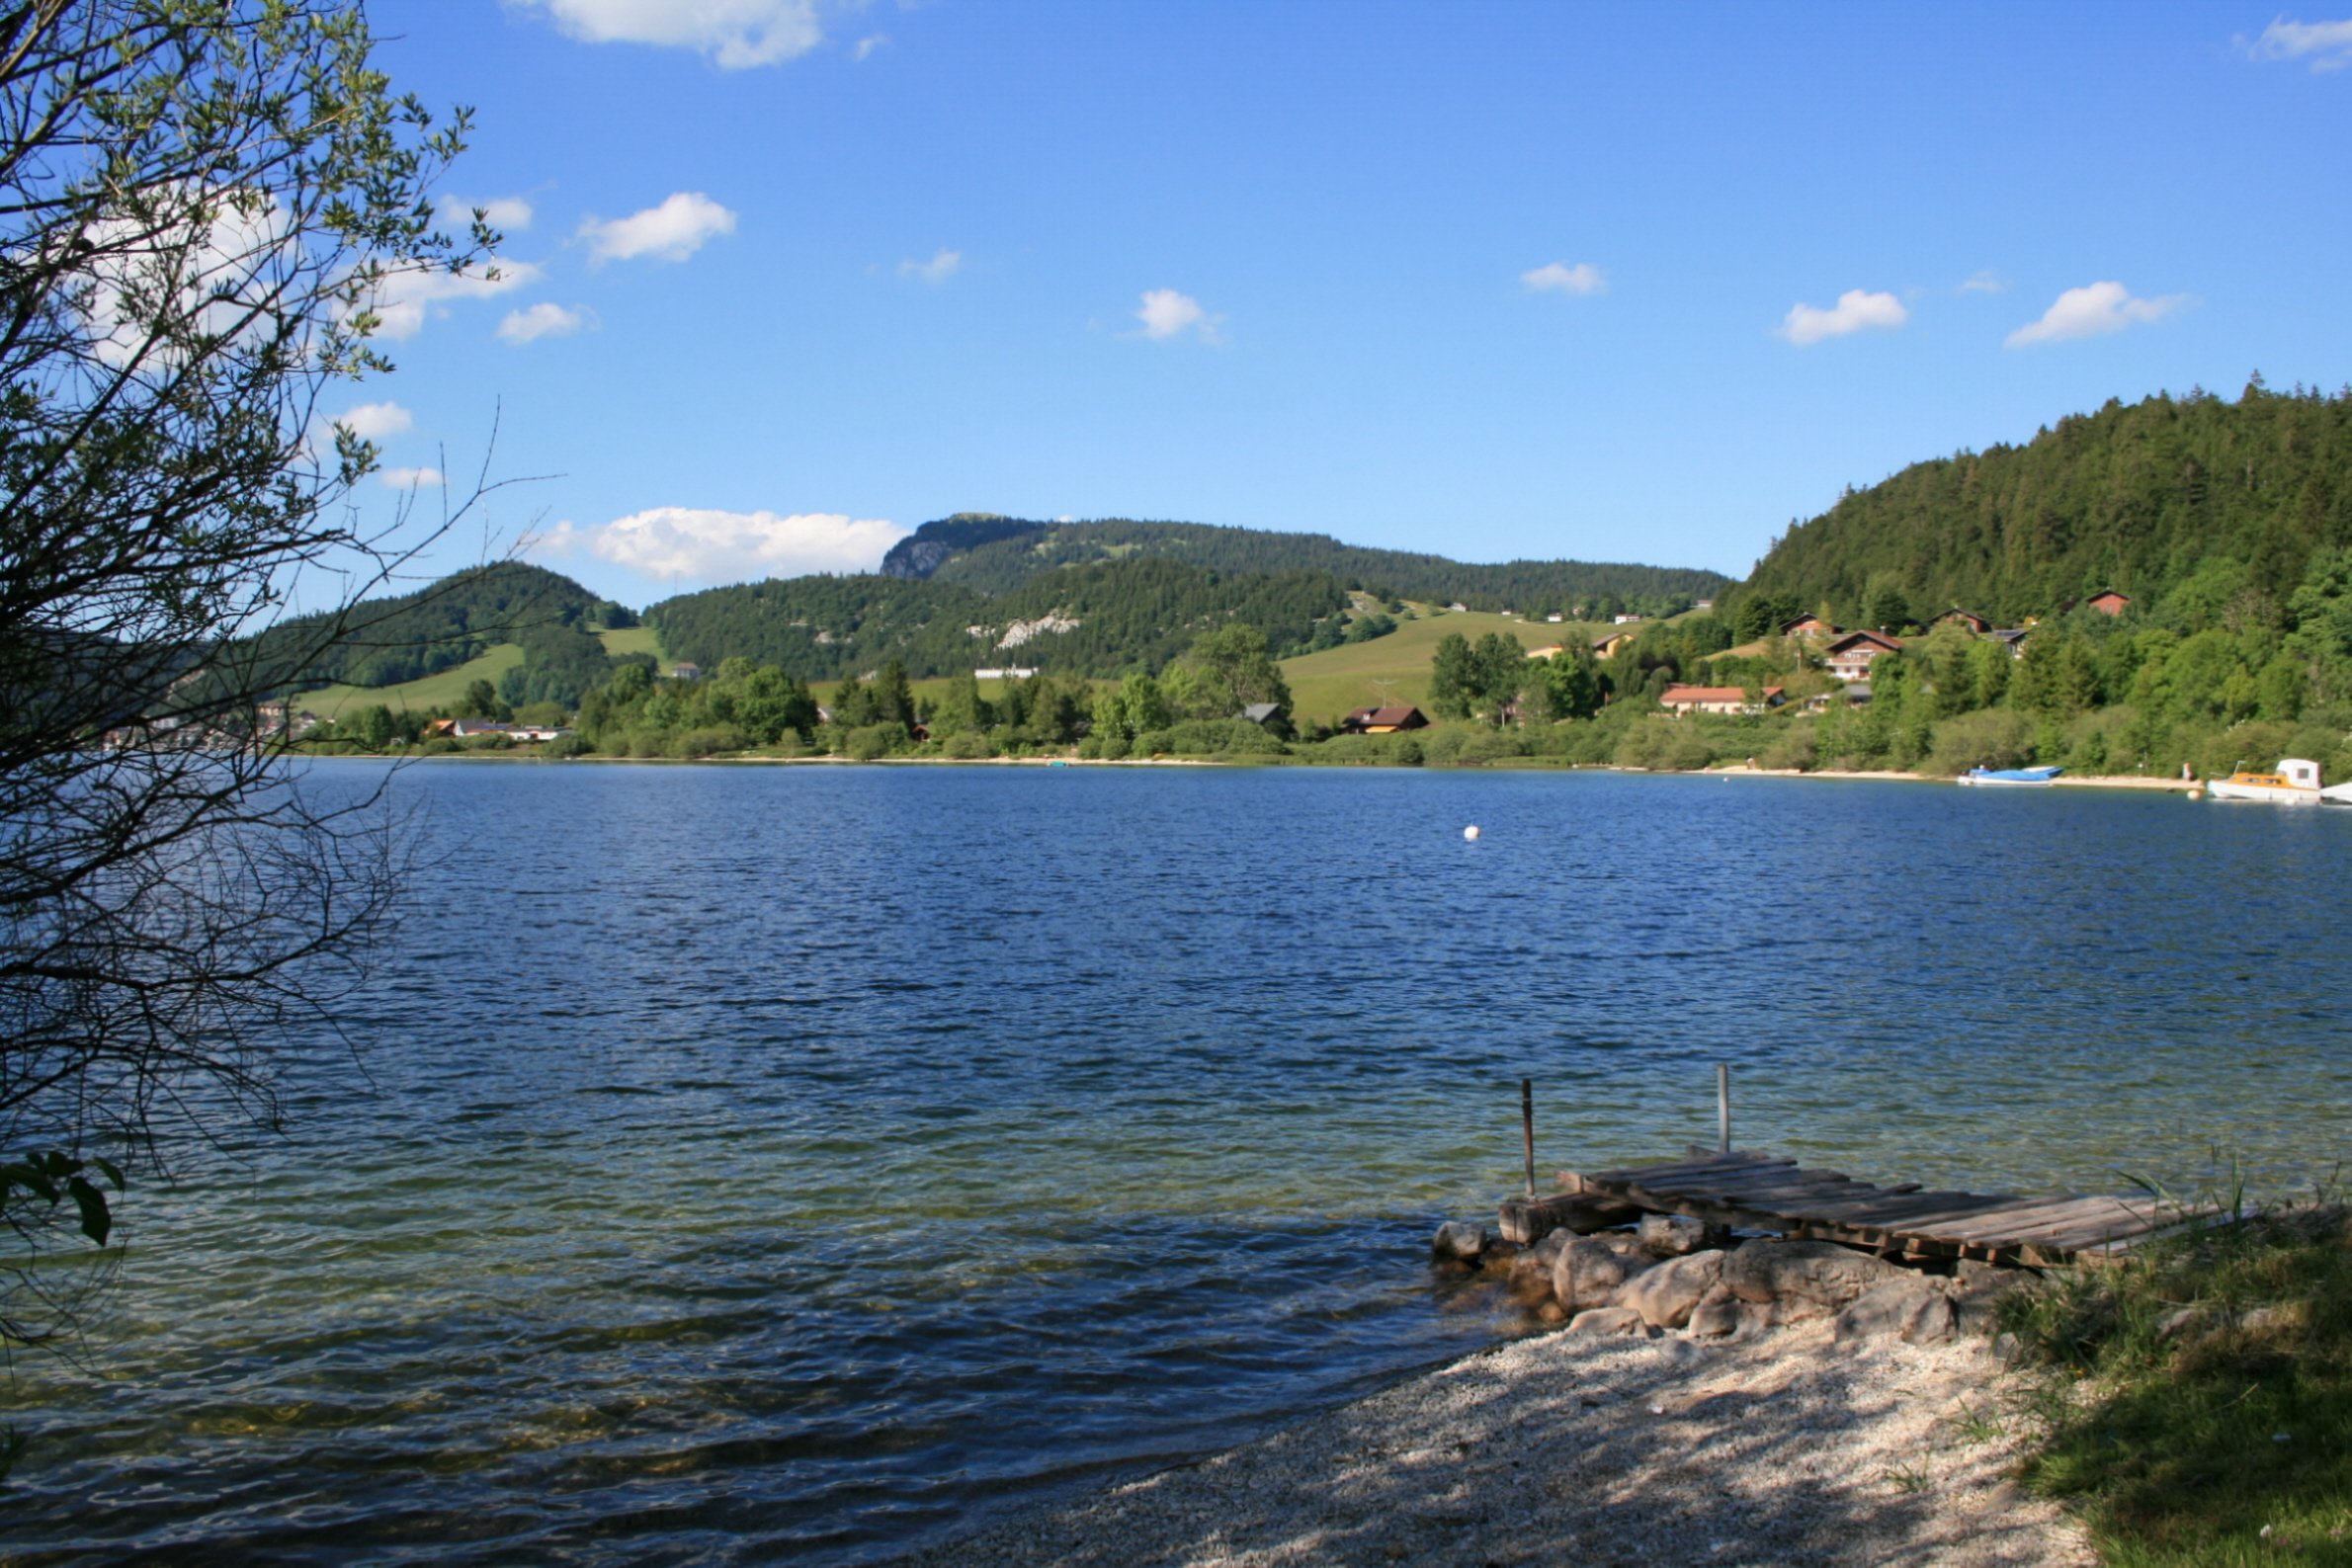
871, 741
970, 745
1995, 737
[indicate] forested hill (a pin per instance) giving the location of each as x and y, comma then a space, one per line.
386, 641
1111, 617
2193, 497
997, 555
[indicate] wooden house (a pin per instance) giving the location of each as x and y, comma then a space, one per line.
1808, 626
1384, 720
1976, 623
1851, 656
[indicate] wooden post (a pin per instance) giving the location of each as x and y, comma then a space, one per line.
1527, 1124
1723, 1105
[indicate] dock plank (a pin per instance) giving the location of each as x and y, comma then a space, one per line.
1753, 1191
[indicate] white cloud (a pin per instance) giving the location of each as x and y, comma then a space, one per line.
408, 478
1856, 310
509, 215
2327, 45
406, 299
1987, 282
735, 34
1166, 313
938, 270
1559, 278
684, 223
706, 546
2093, 311
376, 421
547, 319
868, 45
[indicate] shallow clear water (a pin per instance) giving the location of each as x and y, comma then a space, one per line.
805, 1162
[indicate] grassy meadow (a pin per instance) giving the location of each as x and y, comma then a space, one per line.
446, 687
1396, 668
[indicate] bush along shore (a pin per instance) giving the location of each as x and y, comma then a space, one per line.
2189, 1403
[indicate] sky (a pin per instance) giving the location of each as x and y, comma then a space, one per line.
783, 279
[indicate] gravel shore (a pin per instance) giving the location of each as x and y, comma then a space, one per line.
1571, 1449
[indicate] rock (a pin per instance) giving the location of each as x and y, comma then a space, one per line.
1460, 1240
1666, 1295
1916, 1307
1589, 1270
1805, 1279
1715, 1320
1976, 1291
2010, 1351
2181, 1324
1676, 1235
1611, 1323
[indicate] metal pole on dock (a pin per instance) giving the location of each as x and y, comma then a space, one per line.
1723, 1105
1527, 1124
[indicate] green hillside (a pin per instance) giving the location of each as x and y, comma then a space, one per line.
1396, 668
2180, 503
997, 556
443, 688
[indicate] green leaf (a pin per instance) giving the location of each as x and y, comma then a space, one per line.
97, 1218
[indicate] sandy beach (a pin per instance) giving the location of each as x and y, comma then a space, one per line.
1568, 1449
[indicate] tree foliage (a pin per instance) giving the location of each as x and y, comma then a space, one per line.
199, 199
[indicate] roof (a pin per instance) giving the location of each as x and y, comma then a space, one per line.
1790, 625
1383, 716
1714, 694
1259, 713
1891, 644
1966, 614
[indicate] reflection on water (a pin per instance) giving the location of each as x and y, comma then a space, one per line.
765, 1161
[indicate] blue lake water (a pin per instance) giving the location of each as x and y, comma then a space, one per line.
742, 1163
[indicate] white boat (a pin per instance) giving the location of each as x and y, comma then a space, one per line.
2294, 782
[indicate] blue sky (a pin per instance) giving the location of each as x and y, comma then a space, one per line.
787, 279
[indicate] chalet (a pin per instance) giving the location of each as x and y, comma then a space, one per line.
1680, 699
1553, 618
1850, 656
2012, 636
1703, 604
1808, 626
1382, 720
1010, 672
1266, 716
1976, 623
683, 671
463, 727
1605, 646
1622, 620
2106, 602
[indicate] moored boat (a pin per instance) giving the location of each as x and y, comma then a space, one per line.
2010, 776
2294, 782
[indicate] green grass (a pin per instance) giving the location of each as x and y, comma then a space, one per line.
443, 689
2225, 1441
631, 640
1394, 669
434, 690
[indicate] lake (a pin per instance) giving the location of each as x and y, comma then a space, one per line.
750, 1162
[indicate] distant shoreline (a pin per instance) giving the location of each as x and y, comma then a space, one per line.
1507, 764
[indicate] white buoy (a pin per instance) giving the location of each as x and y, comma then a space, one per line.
1471, 833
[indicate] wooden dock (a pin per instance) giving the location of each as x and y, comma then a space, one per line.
1753, 1191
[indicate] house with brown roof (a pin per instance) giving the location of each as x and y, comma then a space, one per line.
1382, 720
1976, 623
2106, 602
1679, 698
1605, 646
1851, 656
1808, 626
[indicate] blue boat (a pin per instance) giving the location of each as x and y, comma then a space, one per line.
2010, 776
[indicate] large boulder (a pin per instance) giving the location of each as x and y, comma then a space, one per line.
1666, 1295
1976, 1291
1916, 1307
1589, 1270
1677, 1235
1805, 1279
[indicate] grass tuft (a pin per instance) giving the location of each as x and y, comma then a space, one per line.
2197, 1401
